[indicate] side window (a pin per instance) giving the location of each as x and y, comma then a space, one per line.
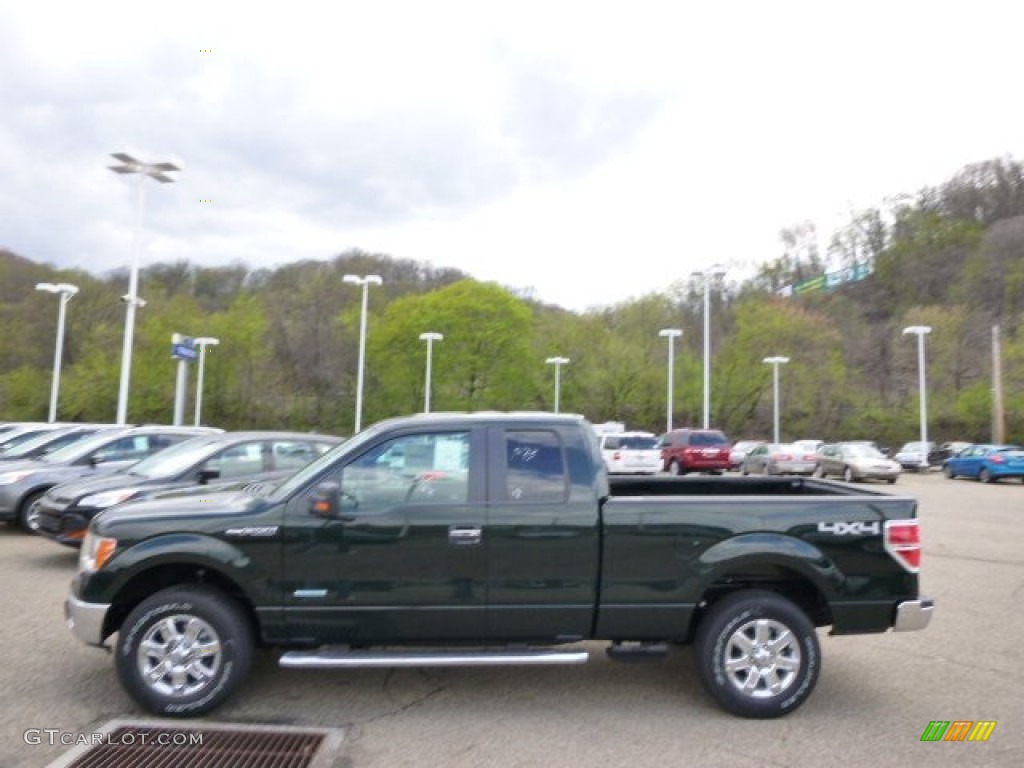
292, 454
238, 460
535, 467
611, 443
430, 468
124, 449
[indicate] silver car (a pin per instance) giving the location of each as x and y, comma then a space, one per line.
856, 461
778, 459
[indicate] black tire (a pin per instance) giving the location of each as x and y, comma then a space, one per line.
848, 475
819, 472
784, 640
890, 480
27, 517
676, 468
985, 476
166, 619
948, 472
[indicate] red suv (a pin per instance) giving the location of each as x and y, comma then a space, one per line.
694, 450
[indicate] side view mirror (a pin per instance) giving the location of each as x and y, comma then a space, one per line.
325, 501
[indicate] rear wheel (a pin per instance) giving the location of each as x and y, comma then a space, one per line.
848, 475
757, 654
948, 472
28, 512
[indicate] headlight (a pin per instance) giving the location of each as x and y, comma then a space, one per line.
12, 477
96, 551
108, 498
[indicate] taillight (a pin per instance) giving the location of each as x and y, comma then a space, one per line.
811, 457
617, 456
783, 457
903, 542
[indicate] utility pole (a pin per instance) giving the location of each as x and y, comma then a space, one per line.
998, 414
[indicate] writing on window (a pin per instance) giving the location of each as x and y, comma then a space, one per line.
535, 467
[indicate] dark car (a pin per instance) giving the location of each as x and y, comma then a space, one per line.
227, 459
23, 483
695, 450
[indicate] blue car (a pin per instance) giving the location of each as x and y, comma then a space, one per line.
986, 463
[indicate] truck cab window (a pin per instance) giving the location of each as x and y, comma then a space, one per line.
535, 469
431, 468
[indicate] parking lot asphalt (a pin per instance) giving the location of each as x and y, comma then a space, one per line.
876, 695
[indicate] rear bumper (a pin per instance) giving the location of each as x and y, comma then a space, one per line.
912, 615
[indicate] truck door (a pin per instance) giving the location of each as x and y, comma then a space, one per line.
542, 535
403, 557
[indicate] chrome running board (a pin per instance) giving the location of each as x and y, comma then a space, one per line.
342, 656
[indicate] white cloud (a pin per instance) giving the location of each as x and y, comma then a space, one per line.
591, 151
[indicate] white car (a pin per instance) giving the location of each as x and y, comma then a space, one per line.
631, 453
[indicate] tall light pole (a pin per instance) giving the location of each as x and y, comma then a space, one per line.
430, 337
66, 291
775, 362
710, 275
671, 334
921, 331
558, 362
202, 342
366, 281
158, 172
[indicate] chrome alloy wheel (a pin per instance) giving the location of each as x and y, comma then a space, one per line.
762, 658
179, 656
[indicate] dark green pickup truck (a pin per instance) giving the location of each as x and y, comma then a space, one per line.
474, 539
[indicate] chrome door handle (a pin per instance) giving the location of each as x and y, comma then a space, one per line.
463, 536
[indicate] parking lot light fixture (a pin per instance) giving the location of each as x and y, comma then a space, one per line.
365, 281
558, 362
202, 342
921, 331
710, 276
775, 362
430, 337
671, 334
66, 291
129, 164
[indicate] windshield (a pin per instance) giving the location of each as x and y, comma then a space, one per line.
309, 471
708, 438
863, 452
54, 440
177, 458
79, 449
913, 448
639, 443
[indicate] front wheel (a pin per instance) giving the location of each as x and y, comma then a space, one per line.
819, 472
757, 654
676, 468
848, 475
985, 476
948, 471
183, 651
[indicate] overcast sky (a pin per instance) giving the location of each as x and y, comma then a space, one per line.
590, 151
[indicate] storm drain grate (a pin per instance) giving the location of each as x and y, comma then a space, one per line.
122, 744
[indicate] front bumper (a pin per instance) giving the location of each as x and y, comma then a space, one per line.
912, 615
85, 620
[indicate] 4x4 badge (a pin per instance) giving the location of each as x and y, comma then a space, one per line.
850, 529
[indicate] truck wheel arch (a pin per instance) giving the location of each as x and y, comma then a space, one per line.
146, 583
